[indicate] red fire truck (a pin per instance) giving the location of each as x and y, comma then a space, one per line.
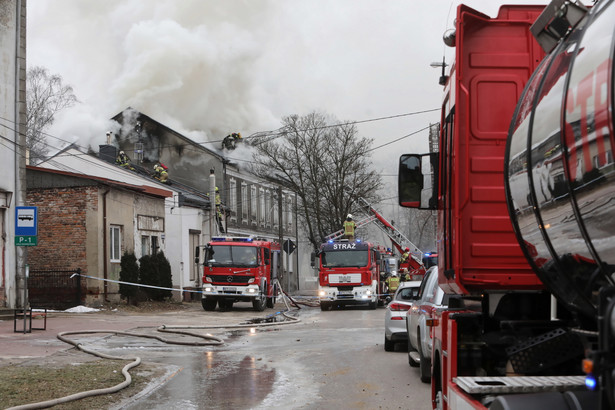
523, 185
349, 274
240, 269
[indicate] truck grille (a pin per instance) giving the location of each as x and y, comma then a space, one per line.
229, 279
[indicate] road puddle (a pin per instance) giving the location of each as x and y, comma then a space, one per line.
231, 384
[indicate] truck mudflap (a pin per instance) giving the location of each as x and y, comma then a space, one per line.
519, 384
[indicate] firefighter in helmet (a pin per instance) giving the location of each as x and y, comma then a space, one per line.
231, 140
123, 161
349, 227
405, 256
392, 283
160, 173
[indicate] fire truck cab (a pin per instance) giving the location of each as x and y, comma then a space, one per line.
240, 269
349, 274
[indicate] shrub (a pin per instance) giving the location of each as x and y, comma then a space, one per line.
155, 270
129, 272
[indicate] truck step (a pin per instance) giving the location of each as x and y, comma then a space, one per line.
415, 356
519, 384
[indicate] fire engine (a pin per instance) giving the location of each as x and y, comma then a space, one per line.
349, 274
413, 265
523, 186
240, 269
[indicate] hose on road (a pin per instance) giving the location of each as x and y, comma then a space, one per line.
210, 341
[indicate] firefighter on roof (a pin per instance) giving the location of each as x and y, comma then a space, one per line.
160, 173
231, 140
349, 227
123, 161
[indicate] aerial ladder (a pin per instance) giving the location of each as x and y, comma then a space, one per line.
414, 264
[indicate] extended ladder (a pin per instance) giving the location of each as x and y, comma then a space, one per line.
399, 239
340, 233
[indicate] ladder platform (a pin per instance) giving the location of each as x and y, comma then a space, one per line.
519, 384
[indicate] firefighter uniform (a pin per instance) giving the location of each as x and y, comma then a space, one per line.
392, 283
349, 227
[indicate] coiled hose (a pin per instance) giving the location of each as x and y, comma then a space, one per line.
211, 341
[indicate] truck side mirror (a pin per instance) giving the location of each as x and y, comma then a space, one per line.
417, 179
196, 255
312, 258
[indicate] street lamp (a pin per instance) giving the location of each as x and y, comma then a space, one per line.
443, 77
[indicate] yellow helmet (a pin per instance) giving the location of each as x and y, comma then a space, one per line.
216, 189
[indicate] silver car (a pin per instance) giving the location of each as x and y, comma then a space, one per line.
431, 298
395, 315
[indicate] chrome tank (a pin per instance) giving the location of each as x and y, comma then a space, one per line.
559, 168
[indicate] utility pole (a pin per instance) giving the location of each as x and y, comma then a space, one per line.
281, 239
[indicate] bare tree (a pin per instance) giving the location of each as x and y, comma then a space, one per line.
45, 96
327, 164
420, 227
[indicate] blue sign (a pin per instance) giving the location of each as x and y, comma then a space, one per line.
26, 220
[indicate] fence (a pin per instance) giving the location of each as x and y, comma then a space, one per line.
54, 289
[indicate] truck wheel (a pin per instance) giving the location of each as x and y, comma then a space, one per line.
424, 365
389, 345
324, 306
209, 304
258, 303
271, 300
372, 305
225, 305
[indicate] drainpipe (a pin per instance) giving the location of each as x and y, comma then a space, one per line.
105, 248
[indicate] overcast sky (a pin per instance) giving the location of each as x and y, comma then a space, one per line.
207, 68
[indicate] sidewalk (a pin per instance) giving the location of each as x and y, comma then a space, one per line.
19, 347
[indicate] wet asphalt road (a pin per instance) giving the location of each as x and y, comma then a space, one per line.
333, 359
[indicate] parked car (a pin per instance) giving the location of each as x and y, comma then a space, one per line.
430, 298
395, 316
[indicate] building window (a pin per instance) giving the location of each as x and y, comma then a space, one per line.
244, 202
233, 197
149, 245
253, 204
115, 241
289, 209
276, 211
261, 206
268, 207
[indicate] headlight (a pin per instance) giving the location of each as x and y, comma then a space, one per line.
251, 280
251, 290
322, 293
208, 279
368, 292
208, 289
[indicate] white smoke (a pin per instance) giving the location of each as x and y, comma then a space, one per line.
207, 68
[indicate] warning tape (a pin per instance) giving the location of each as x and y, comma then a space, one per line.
195, 291
135, 284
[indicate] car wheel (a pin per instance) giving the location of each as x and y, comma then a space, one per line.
389, 345
424, 365
411, 361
